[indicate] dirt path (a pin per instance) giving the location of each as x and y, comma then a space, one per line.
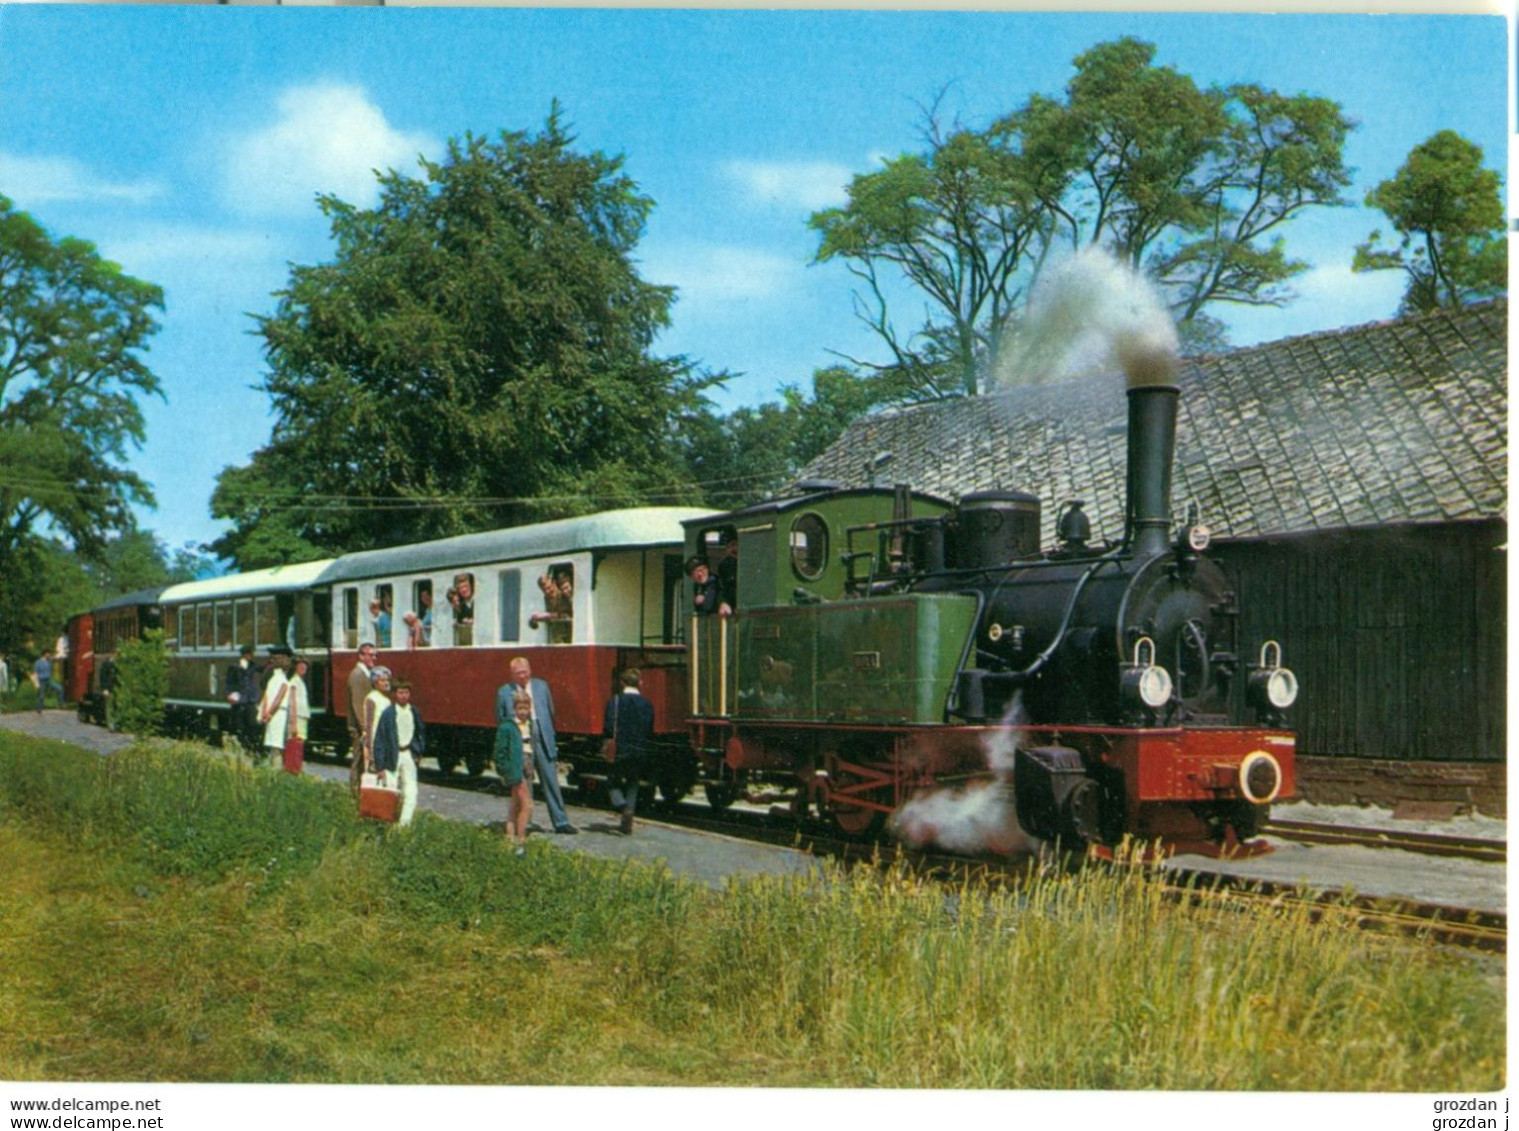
64, 726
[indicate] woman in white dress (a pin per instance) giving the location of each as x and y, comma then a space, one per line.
300, 699
274, 707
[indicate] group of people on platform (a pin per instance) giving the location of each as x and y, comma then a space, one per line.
271, 707
388, 735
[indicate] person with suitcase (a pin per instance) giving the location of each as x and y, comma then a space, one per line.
400, 738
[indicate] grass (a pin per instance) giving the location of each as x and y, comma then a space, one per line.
23, 698
180, 917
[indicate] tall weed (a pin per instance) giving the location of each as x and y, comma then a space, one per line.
271, 934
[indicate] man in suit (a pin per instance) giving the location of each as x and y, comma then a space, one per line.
359, 684
629, 720
243, 695
545, 741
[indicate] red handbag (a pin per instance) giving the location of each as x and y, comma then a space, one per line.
295, 755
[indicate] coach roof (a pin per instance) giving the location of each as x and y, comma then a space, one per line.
629, 529
126, 600
280, 579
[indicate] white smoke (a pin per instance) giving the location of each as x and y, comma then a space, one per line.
1090, 314
981, 816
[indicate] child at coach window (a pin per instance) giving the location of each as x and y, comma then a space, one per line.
558, 587
461, 598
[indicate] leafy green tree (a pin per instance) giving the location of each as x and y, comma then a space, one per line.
1190, 186
1446, 208
753, 453
141, 685
957, 222
139, 559
45, 583
477, 354
73, 328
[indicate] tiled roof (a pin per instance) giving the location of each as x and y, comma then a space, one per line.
1392, 422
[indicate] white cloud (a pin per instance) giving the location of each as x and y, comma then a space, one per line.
31, 181
809, 185
1328, 298
327, 138
721, 274
151, 249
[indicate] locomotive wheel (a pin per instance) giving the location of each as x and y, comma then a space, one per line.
1247, 819
475, 762
674, 782
721, 794
849, 784
447, 763
856, 820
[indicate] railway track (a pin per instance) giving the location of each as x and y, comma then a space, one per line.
1429, 844
1452, 926
1447, 925
1441, 923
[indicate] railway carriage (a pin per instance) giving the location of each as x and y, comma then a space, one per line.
579, 598
95, 639
207, 623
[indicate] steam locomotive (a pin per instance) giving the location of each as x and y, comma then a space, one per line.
889, 647
886, 648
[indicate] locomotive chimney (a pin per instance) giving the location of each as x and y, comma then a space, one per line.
1153, 397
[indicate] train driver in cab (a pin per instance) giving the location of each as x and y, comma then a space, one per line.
707, 599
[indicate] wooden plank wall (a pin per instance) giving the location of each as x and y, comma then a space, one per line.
1396, 633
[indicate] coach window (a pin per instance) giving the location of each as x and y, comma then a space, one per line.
203, 627
558, 616
510, 604
284, 605
809, 546
351, 617
171, 627
242, 622
382, 608
224, 625
266, 623
419, 620
461, 599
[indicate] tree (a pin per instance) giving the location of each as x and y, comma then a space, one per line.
1447, 209
477, 354
141, 685
45, 584
73, 328
138, 559
957, 222
753, 453
1190, 186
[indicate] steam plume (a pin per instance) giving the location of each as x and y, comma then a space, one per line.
980, 817
1088, 315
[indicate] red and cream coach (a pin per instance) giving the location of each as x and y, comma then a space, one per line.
579, 598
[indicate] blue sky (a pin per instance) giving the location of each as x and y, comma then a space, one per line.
188, 144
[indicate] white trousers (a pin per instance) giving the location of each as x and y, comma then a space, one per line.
406, 778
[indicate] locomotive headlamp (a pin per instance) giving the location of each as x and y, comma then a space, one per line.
1144, 680
1199, 537
1260, 778
1272, 687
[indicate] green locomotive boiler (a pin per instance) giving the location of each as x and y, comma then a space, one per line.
879, 646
